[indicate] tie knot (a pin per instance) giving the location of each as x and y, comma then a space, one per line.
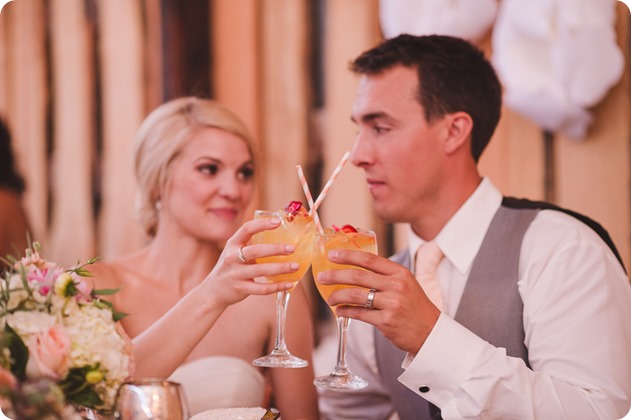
428, 257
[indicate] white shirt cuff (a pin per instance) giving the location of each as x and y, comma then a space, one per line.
444, 362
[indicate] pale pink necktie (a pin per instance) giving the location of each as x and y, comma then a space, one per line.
428, 257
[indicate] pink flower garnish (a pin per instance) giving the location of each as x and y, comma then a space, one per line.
84, 291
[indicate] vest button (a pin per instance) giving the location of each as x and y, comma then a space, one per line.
424, 389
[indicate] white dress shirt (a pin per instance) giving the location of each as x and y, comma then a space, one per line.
577, 323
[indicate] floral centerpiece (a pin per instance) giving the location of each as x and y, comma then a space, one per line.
61, 345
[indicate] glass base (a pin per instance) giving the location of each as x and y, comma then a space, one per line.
278, 359
341, 382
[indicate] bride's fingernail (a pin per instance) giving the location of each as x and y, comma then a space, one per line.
290, 248
275, 221
294, 266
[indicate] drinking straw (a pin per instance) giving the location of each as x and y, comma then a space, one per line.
312, 210
328, 184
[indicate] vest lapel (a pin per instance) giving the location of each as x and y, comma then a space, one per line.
491, 306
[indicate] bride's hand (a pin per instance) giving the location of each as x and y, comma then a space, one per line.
232, 278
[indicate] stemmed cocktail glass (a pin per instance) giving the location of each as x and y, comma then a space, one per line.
341, 378
296, 228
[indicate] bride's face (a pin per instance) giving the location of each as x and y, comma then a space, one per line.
211, 182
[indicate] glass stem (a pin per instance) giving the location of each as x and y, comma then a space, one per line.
342, 330
282, 299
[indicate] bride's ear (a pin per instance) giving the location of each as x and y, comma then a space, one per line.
459, 128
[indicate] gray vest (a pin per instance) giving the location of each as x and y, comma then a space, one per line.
490, 307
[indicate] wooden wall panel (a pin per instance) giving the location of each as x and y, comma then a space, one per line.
72, 223
593, 174
284, 103
515, 158
236, 77
28, 95
4, 62
123, 99
153, 50
351, 27
235, 35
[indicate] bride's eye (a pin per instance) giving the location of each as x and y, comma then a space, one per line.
246, 173
209, 169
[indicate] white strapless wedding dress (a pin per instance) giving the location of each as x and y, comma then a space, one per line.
220, 382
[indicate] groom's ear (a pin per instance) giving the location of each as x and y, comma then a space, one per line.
459, 126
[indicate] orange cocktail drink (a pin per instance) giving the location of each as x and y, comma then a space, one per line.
346, 238
296, 228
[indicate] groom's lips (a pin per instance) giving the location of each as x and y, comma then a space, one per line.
374, 184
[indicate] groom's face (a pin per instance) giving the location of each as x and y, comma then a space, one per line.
400, 152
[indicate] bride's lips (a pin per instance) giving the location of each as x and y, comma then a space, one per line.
225, 212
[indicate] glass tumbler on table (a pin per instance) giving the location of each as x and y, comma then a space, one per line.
296, 228
341, 378
151, 399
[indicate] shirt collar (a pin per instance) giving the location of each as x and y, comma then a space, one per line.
461, 238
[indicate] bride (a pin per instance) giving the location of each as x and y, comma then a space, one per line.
185, 290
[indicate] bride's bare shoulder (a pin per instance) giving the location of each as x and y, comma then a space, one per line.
115, 272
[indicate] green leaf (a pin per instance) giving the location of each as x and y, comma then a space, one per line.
117, 316
8, 260
25, 281
105, 292
104, 304
19, 352
77, 390
83, 272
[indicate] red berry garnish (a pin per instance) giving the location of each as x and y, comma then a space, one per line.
345, 228
293, 207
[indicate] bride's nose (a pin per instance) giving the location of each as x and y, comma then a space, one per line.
230, 188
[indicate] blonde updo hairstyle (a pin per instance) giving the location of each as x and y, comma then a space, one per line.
161, 137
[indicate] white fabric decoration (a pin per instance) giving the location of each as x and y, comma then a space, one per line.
468, 19
556, 59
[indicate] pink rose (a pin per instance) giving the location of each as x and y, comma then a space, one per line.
48, 354
7, 380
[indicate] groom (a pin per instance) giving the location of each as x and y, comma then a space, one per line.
527, 312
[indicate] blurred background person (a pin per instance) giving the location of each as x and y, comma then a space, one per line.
195, 169
14, 226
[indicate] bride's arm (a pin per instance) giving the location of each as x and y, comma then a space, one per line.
162, 347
